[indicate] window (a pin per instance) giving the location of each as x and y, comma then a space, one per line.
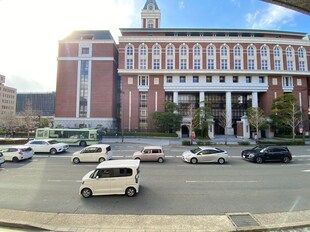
264, 51
223, 51
210, 51
237, 51
235, 79
169, 63
129, 50
182, 79
143, 81
129, 64
277, 65
143, 50
142, 64
195, 79
264, 64
251, 65
197, 64
301, 53
210, 63
222, 79
302, 66
169, 79
276, 52
170, 51
261, 79
224, 64
237, 64
156, 64
287, 82
248, 79
156, 51
183, 51
150, 24
85, 51
197, 51
183, 64
289, 52
251, 51
208, 79
290, 65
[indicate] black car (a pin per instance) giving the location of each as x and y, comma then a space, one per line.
254, 149
267, 153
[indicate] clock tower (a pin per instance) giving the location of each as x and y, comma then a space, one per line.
150, 15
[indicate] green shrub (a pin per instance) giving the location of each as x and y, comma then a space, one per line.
13, 141
186, 143
204, 143
283, 143
244, 143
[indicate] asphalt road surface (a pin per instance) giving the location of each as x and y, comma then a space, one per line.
50, 183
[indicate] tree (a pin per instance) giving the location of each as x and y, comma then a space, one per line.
168, 121
8, 122
223, 122
28, 119
287, 112
200, 118
257, 119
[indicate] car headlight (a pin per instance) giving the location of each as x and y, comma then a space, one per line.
251, 155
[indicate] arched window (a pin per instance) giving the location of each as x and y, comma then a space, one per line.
251, 57
170, 57
197, 57
302, 60
129, 58
277, 56
211, 56
290, 59
224, 57
183, 57
265, 58
143, 57
238, 57
156, 57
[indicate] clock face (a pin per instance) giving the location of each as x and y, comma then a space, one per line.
150, 7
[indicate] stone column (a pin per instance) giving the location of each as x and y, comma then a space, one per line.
229, 130
246, 127
254, 99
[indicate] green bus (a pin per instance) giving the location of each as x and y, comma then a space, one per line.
79, 137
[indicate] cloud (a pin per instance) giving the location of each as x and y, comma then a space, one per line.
274, 17
181, 4
30, 31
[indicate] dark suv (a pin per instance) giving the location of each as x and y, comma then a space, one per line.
267, 153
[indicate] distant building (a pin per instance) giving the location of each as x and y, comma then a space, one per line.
7, 98
43, 104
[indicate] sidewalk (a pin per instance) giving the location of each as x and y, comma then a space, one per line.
137, 223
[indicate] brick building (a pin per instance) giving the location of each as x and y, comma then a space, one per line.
86, 90
231, 69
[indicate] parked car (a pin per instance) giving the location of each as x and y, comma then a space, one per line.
16, 153
150, 153
205, 154
93, 153
2, 161
48, 146
269, 153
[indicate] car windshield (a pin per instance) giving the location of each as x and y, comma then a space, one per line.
53, 141
194, 151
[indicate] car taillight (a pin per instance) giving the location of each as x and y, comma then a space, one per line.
20, 152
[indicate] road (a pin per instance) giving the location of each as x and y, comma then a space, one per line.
50, 184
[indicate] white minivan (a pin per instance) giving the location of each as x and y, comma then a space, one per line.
112, 177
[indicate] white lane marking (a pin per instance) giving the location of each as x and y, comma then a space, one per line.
305, 170
52, 156
75, 181
219, 181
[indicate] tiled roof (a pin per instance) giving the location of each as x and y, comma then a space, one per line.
90, 34
150, 1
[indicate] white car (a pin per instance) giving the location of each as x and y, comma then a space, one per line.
93, 153
47, 146
16, 153
205, 154
2, 161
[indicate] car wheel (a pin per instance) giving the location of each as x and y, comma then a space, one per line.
137, 158
221, 161
101, 159
259, 160
53, 151
83, 143
160, 160
194, 161
86, 192
130, 192
286, 159
15, 159
76, 160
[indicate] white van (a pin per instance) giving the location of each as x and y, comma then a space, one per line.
93, 153
112, 177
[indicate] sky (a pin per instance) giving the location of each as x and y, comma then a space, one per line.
31, 29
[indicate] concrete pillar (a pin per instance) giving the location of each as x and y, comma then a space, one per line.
246, 127
229, 130
254, 99
210, 127
176, 97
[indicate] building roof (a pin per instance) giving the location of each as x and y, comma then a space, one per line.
302, 6
90, 35
214, 31
150, 1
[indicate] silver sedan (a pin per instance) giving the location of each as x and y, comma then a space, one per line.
205, 154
